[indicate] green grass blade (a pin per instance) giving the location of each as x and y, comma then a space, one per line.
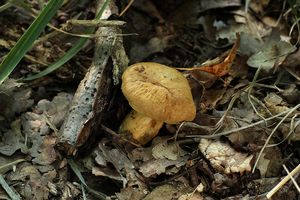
77, 172
26, 41
71, 53
5, 6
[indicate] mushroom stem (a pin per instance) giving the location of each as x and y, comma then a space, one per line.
142, 128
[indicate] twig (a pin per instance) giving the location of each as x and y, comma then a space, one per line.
237, 129
271, 134
267, 86
296, 23
261, 104
108, 130
251, 85
90, 101
282, 182
295, 75
96, 22
220, 122
83, 191
6, 167
292, 128
126, 8
292, 178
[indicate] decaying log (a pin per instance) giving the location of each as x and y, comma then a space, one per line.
91, 98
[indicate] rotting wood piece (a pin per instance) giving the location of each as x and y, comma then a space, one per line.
92, 96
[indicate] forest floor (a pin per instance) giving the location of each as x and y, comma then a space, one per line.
60, 133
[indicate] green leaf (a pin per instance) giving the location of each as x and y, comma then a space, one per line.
26, 41
72, 52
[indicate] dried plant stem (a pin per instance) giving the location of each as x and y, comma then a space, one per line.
295, 75
296, 23
113, 133
292, 178
220, 122
251, 85
177, 131
6, 167
282, 182
272, 133
96, 22
237, 129
261, 104
126, 8
267, 86
293, 126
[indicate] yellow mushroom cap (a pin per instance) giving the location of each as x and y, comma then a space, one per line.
159, 92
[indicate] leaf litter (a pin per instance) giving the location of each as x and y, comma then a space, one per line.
242, 67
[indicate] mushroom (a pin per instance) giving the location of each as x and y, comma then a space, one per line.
142, 128
158, 94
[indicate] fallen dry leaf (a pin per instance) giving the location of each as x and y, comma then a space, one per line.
56, 109
170, 151
35, 185
224, 158
14, 100
159, 166
154, 45
291, 130
214, 4
291, 94
275, 103
9, 85
259, 6
12, 140
132, 193
222, 68
114, 156
249, 44
211, 98
135, 189
271, 56
47, 154
108, 172
270, 162
193, 196
166, 192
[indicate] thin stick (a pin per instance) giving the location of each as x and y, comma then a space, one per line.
108, 130
292, 128
251, 85
271, 134
96, 22
220, 122
126, 8
282, 182
6, 167
292, 178
237, 129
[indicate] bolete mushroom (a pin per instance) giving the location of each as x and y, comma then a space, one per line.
142, 128
158, 94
